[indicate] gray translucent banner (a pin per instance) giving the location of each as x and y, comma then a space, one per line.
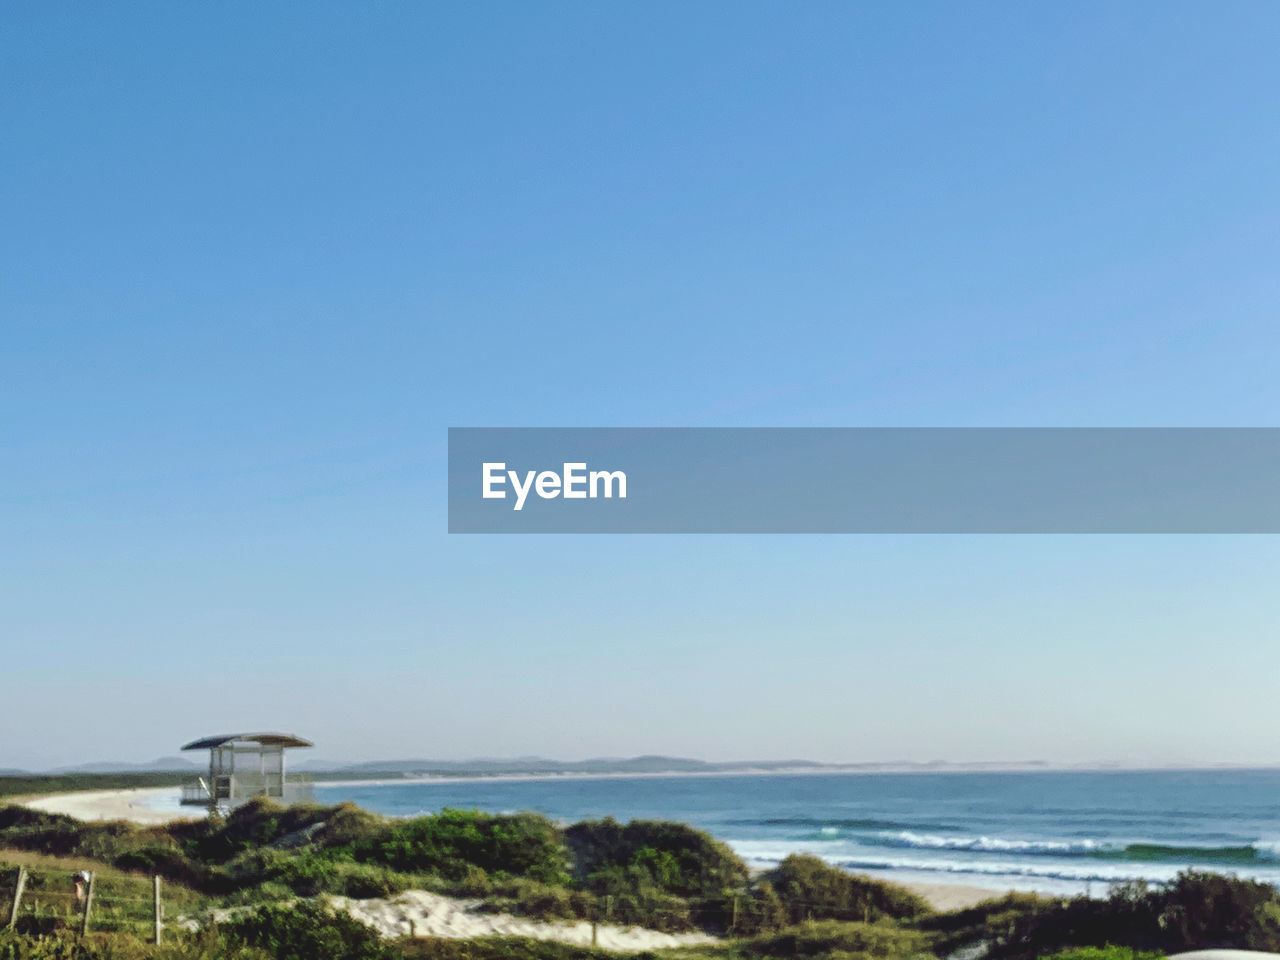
864, 480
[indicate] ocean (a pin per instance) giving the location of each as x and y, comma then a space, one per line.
1060, 832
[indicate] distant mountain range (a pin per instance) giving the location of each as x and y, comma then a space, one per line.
483, 766
160, 765
166, 769
541, 765
492, 767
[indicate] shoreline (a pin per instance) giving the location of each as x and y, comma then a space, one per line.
878, 770
133, 804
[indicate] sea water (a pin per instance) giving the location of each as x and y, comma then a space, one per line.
1060, 832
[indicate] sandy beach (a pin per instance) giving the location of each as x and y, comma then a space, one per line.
950, 896
134, 805
139, 806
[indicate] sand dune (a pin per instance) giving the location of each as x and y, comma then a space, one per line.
432, 915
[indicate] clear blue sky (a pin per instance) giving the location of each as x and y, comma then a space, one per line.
257, 258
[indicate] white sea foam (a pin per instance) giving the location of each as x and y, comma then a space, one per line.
924, 841
1085, 872
1010, 865
1267, 849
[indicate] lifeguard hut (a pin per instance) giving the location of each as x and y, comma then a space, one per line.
243, 766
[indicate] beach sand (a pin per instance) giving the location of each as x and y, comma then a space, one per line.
949, 896
133, 805
136, 805
432, 915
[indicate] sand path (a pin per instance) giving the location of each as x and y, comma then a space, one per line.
432, 915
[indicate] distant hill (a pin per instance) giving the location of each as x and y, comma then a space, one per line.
161, 764
541, 765
476, 767
324, 769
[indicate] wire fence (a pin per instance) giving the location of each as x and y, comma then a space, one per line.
41, 900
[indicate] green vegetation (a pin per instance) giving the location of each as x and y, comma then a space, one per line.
811, 890
833, 939
665, 875
306, 931
455, 844
987, 922
29, 784
661, 875
1103, 953
1197, 911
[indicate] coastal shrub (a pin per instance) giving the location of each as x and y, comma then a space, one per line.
522, 845
834, 939
162, 855
306, 931
762, 911
259, 823
310, 873
1197, 911
50, 833
475, 882
989, 921
111, 946
610, 858
506, 948
305, 875
122, 845
348, 826
539, 901
812, 890
269, 891
1104, 953
651, 908
364, 880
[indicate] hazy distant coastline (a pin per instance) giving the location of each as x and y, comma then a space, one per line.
648, 765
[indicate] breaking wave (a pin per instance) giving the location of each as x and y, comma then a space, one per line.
1258, 852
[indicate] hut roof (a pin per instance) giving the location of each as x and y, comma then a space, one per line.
264, 739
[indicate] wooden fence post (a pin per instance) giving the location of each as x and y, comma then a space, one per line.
88, 905
19, 886
158, 909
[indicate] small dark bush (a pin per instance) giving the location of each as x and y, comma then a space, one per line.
811, 890
307, 931
612, 858
524, 845
505, 948
1198, 911
831, 938
1103, 953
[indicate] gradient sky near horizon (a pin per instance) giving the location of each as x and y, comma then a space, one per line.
257, 258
